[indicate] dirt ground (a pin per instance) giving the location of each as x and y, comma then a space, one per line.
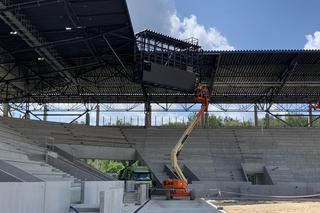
271, 207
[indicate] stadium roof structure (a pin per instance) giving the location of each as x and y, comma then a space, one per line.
86, 51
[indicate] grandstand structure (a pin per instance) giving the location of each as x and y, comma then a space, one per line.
86, 52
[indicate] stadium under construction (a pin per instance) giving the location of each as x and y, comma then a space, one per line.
85, 53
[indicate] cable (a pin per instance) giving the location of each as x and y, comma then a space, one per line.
267, 196
74, 209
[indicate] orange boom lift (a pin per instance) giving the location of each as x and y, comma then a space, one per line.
178, 187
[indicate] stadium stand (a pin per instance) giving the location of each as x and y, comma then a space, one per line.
228, 159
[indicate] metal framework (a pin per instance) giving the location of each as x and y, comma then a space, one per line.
72, 51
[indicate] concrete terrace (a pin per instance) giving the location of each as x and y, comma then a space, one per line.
212, 159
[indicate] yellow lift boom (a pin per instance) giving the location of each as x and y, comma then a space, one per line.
178, 187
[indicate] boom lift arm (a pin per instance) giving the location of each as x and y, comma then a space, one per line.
178, 187
201, 94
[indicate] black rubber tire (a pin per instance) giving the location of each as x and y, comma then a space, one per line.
192, 195
168, 196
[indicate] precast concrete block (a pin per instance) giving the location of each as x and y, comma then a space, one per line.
92, 189
111, 201
22, 197
57, 197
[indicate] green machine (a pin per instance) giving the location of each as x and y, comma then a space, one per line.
138, 174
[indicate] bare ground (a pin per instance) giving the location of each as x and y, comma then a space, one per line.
271, 207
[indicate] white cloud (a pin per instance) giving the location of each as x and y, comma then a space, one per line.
210, 39
161, 16
313, 41
151, 14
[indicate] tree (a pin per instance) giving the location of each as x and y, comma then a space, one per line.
106, 165
297, 121
215, 121
289, 121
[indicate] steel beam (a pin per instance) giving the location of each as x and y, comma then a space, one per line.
284, 76
27, 32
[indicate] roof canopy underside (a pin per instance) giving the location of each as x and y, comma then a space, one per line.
84, 51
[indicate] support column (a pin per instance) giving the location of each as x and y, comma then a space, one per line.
45, 112
88, 119
6, 109
27, 115
255, 115
98, 115
202, 121
206, 120
267, 120
310, 117
147, 114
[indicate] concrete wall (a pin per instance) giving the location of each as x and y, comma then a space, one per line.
111, 201
92, 189
37, 197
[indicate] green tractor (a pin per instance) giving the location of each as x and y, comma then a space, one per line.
138, 174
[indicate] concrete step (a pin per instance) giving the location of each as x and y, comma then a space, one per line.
130, 197
55, 178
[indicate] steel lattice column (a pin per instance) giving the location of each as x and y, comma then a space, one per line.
147, 114
98, 115
88, 118
267, 120
6, 109
255, 114
45, 112
310, 117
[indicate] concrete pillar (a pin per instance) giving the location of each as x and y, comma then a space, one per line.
310, 117
111, 201
267, 120
98, 115
147, 114
6, 109
45, 112
88, 119
255, 115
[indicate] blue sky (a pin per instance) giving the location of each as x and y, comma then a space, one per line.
257, 24
244, 24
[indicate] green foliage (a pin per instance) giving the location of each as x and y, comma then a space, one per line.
297, 121
215, 121
120, 122
106, 165
289, 121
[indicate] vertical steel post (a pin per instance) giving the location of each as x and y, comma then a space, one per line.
45, 112
147, 114
255, 114
310, 117
98, 115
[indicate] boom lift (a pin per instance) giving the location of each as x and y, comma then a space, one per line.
315, 105
178, 187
